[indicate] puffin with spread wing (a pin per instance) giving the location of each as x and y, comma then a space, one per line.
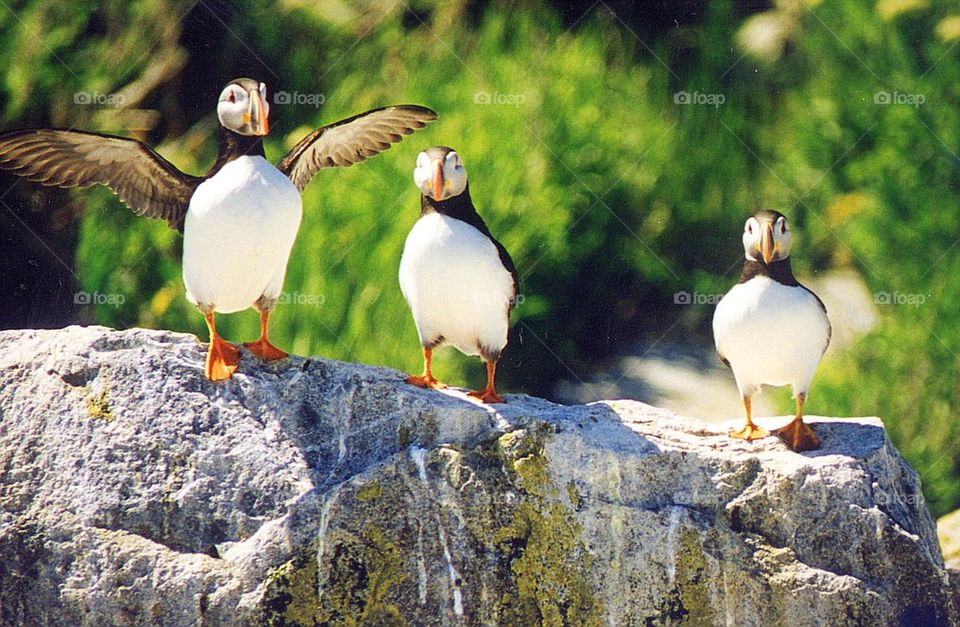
240, 219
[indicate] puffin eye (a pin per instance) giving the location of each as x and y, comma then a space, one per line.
783, 226
750, 228
233, 96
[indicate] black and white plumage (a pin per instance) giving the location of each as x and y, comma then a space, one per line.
459, 281
770, 329
240, 219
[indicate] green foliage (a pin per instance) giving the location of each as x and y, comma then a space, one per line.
609, 195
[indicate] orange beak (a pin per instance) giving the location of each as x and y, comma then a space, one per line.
767, 248
256, 116
438, 180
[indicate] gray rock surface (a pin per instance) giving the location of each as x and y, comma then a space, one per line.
133, 491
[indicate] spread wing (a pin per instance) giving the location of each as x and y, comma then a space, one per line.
352, 140
146, 182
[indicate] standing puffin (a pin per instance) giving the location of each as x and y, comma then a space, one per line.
459, 281
240, 219
770, 329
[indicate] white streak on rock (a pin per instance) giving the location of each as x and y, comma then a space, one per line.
674, 526
418, 455
455, 581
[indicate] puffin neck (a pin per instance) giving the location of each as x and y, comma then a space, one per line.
459, 206
233, 145
780, 271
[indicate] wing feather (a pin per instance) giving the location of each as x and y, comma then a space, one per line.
146, 182
352, 140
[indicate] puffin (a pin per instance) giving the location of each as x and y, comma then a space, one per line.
458, 280
240, 219
771, 330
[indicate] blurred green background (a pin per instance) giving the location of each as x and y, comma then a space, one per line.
610, 191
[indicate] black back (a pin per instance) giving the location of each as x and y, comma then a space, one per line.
779, 270
233, 145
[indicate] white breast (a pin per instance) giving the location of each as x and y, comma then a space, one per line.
237, 235
457, 288
772, 334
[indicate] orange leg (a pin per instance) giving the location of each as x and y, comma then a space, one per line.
426, 380
488, 394
798, 435
750, 431
262, 348
223, 357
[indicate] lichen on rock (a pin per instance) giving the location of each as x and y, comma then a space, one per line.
549, 561
355, 588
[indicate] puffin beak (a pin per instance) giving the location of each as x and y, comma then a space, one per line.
438, 179
256, 115
767, 247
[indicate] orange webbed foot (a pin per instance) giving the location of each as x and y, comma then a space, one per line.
263, 349
798, 436
749, 433
426, 381
222, 360
487, 395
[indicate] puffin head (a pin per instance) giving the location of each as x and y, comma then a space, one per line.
440, 173
767, 237
243, 107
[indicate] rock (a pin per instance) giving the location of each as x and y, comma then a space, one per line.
948, 530
309, 491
